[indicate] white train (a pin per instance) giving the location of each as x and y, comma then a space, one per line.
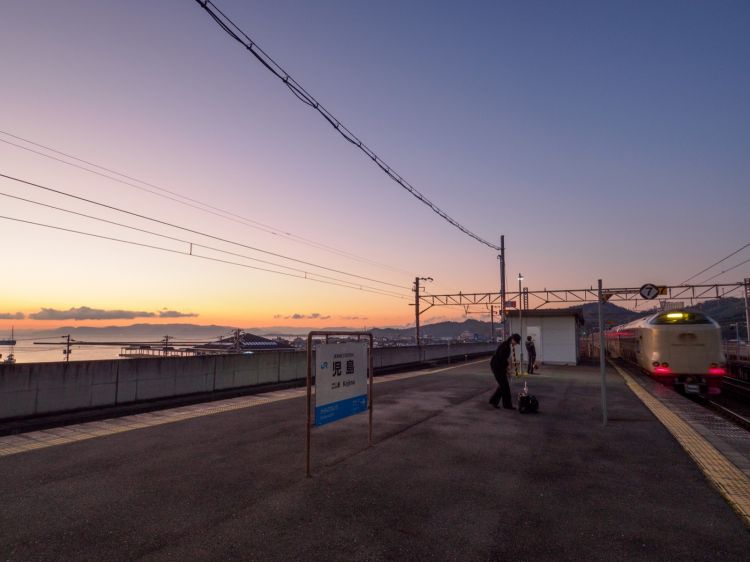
679, 348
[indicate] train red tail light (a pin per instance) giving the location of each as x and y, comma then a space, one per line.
662, 370
717, 371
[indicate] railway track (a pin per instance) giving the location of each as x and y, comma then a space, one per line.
737, 387
734, 403
730, 414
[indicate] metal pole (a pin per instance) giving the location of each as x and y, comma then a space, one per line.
416, 306
602, 365
520, 319
502, 282
371, 376
309, 398
492, 323
747, 308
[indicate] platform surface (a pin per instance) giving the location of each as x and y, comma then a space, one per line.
449, 478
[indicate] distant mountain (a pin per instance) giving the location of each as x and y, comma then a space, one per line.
726, 312
135, 332
614, 315
437, 330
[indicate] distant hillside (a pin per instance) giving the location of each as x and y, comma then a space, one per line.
614, 315
437, 330
135, 332
725, 311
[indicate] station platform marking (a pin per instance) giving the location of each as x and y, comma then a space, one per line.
33, 440
729, 480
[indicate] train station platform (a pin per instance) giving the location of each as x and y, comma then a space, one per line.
449, 477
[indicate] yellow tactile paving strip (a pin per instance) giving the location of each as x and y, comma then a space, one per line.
13, 444
731, 482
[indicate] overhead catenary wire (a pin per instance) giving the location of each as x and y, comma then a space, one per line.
172, 238
183, 199
193, 231
305, 97
702, 271
726, 271
346, 284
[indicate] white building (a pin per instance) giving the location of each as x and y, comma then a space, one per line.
555, 334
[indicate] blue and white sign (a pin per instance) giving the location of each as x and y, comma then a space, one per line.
340, 381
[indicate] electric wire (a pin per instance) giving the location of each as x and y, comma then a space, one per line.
726, 270
173, 238
192, 231
715, 264
183, 200
342, 283
225, 23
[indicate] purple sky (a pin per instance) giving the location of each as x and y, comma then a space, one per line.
604, 139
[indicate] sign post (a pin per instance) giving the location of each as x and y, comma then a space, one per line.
343, 382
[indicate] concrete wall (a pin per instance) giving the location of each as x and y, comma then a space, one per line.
29, 389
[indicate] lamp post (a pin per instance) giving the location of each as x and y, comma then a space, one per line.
520, 318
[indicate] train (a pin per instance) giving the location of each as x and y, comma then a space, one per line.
679, 348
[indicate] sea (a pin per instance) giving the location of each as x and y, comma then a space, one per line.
46, 347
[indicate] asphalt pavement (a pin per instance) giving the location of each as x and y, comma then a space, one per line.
448, 478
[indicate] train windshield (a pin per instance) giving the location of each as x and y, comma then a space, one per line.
681, 318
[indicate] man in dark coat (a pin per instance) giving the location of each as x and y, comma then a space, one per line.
499, 366
531, 349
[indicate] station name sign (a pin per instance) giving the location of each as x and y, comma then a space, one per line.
340, 381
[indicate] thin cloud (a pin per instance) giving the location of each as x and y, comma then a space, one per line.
12, 316
86, 313
298, 316
354, 318
175, 314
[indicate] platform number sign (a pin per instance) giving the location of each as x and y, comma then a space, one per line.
649, 291
340, 381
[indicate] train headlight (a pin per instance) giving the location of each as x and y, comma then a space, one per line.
655, 363
665, 364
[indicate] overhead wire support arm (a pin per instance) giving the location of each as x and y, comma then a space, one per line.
303, 95
546, 297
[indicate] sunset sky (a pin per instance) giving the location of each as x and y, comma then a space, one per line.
603, 139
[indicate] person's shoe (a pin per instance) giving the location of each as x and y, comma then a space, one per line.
509, 407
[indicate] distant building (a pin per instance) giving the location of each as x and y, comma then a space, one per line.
468, 337
245, 342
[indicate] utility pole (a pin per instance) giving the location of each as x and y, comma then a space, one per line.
166, 345
237, 340
66, 351
747, 309
416, 302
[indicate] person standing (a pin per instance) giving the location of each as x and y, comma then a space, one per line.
531, 350
499, 365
